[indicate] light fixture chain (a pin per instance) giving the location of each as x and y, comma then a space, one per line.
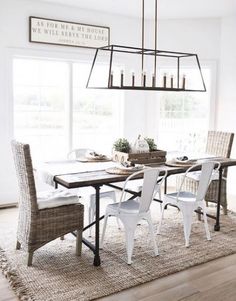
155, 39
143, 35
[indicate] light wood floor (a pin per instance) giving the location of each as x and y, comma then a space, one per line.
212, 281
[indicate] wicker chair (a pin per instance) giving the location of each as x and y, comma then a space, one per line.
219, 144
43, 219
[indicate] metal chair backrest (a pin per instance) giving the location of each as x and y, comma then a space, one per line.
150, 177
25, 176
205, 178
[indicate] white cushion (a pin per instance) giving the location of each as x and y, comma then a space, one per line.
56, 198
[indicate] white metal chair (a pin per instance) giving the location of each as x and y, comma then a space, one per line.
157, 190
105, 193
130, 212
187, 202
136, 185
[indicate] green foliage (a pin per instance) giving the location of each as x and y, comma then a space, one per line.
151, 143
122, 145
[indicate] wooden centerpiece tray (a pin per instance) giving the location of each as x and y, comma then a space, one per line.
158, 156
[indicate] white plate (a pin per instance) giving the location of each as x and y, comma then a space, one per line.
100, 157
187, 162
137, 167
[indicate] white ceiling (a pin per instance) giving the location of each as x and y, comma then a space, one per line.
167, 8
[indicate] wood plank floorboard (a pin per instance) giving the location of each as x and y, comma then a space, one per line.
223, 292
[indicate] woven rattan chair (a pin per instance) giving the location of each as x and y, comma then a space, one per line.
219, 144
43, 219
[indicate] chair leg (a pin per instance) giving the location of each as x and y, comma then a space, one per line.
187, 220
18, 245
160, 197
113, 197
78, 242
129, 236
103, 231
30, 259
151, 230
225, 210
208, 235
199, 216
118, 223
91, 216
162, 216
160, 208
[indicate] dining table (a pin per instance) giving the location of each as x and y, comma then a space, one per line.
75, 174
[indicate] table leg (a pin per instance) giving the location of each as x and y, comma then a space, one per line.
165, 186
165, 190
97, 260
217, 224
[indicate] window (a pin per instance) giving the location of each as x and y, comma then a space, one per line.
184, 119
54, 113
96, 113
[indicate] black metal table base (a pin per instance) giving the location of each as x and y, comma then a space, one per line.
94, 247
97, 260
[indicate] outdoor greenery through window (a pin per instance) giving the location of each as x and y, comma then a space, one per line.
54, 112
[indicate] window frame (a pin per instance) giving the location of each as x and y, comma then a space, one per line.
69, 58
154, 104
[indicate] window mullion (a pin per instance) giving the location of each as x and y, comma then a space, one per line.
69, 111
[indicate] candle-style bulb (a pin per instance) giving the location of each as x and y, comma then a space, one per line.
172, 81
144, 76
164, 80
133, 79
153, 80
111, 78
122, 78
184, 82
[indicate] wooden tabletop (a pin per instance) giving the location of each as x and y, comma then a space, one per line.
99, 177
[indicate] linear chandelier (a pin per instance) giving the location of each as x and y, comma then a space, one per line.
125, 67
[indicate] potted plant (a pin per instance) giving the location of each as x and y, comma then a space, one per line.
122, 145
151, 143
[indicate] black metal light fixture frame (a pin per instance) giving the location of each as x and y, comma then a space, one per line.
155, 53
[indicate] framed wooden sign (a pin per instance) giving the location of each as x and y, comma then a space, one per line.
56, 32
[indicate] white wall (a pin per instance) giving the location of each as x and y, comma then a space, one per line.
226, 113
200, 36
14, 39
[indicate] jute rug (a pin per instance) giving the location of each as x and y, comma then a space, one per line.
57, 274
